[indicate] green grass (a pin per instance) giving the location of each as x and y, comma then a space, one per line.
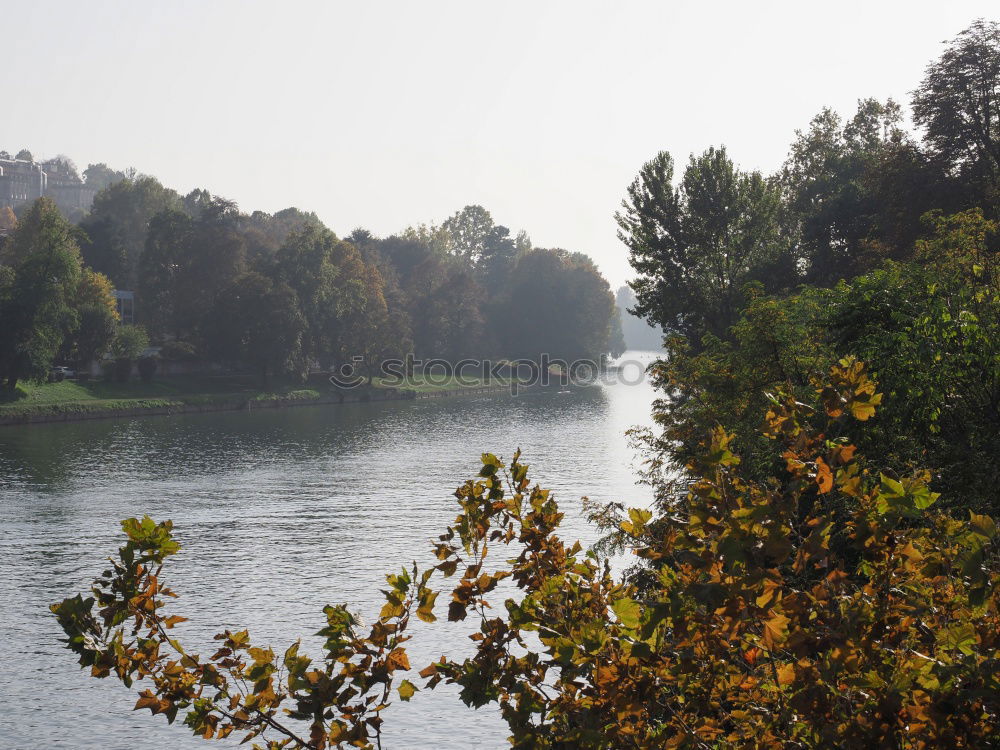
75, 397
97, 395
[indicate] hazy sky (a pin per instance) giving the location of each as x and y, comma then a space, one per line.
385, 114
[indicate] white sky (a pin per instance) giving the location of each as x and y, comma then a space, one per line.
385, 114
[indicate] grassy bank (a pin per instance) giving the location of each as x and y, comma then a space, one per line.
92, 397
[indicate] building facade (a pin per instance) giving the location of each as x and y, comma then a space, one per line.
20, 182
23, 181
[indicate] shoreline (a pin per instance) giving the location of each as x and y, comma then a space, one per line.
80, 412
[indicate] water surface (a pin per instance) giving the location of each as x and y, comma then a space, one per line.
279, 513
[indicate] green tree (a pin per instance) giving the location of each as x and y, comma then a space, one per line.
933, 326
168, 242
844, 215
129, 205
100, 176
369, 330
103, 249
484, 245
213, 258
694, 246
556, 303
187, 261
95, 307
129, 342
256, 322
327, 275
616, 341
36, 311
958, 106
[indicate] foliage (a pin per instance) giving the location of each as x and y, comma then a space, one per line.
958, 105
845, 218
775, 344
130, 341
933, 327
828, 606
616, 340
930, 326
257, 321
94, 304
37, 292
128, 205
8, 221
694, 246
557, 303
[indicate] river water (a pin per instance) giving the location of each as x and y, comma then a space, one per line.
279, 512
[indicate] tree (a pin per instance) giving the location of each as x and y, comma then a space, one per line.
129, 205
24, 155
129, 342
328, 277
185, 264
36, 311
696, 245
368, 331
469, 231
167, 244
448, 312
488, 247
556, 303
96, 311
958, 105
100, 176
104, 250
844, 215
934, 328
213, 259
257, 322
266, 233
8, 221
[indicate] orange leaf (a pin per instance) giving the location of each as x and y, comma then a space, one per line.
824, 477
397, 659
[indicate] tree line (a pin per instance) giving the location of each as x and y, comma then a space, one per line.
280, 295
818, 569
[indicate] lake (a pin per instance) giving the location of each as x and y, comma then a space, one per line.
279, 512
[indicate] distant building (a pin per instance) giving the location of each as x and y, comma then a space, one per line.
125, 304
23, 181
20, 182
64, 186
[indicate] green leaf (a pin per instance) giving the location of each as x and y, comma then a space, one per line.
961, 636
983, 526
628, 612
406, 690
891, 487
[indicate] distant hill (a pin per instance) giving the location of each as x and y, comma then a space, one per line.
638, 333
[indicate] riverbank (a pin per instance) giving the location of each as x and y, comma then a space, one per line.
72, 401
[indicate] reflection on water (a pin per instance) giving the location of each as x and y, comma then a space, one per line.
279, 513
